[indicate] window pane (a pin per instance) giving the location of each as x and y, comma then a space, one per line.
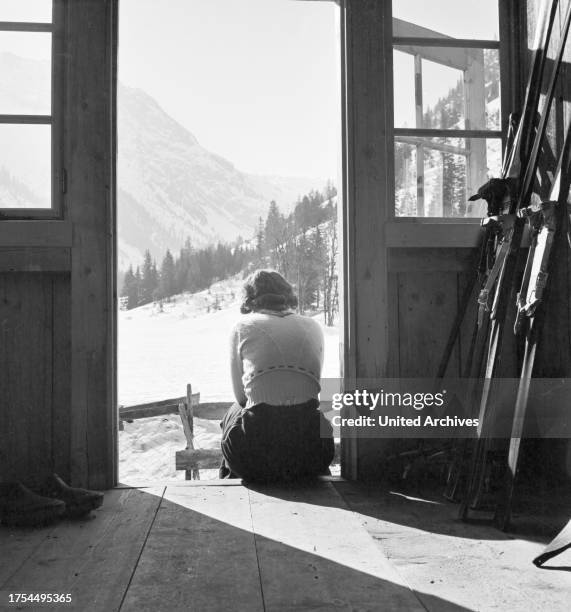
25, 166
456, 18
404, 98
25, 65
456, 88
26, 10
434, 177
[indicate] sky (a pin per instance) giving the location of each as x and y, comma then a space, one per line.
256, 81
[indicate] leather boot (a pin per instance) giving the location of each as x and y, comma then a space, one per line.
78, 502
20, 507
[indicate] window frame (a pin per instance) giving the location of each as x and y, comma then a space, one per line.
54, 119
451, 231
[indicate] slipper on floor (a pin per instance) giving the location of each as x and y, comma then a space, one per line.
20, 507
78, 502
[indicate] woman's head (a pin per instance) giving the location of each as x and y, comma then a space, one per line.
267, 290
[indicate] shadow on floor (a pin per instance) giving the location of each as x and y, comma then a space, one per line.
200, 549
536, 519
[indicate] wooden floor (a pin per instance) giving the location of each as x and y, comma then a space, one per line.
224, 547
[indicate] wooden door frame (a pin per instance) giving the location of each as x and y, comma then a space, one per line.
91, 156
367, 159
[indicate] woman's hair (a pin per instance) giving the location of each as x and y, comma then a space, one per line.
267, 289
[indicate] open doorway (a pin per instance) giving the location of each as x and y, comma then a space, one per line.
228, 156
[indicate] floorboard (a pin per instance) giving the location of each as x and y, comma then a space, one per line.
315, 555
453, 565
326, 546
17, 546
91, 559
200, 555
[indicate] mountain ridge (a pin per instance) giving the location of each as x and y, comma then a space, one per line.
169, 186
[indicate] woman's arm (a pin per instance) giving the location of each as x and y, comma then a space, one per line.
236, 370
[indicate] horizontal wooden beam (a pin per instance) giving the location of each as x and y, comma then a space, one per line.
415, 233
419, 232
439, 133
198, 459
35, 259
26, 119
201, 410
450, 43
158, 408
25, 26
431, 144
34, 233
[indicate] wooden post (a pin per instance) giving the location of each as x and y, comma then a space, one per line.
90, 202
186, 411
475, 114
369, 178
420, 210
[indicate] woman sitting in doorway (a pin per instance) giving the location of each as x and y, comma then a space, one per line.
275, 431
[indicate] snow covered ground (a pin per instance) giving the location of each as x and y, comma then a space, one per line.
160, 350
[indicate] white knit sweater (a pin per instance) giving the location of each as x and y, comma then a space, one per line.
276, 358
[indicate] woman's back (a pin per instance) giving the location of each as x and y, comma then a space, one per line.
277, 357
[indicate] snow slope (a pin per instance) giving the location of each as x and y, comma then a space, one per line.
159, 352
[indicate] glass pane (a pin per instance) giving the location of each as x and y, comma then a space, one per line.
25, 166
434, 177
456, 18
25, 65
456, 88
26, 10
404, 99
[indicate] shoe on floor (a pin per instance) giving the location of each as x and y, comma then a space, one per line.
78, 502
20, 507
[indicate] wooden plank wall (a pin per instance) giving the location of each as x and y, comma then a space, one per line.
34, 360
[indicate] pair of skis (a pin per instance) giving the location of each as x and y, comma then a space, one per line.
549, 227
504, 232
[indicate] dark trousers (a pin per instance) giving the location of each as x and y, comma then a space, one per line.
276, 443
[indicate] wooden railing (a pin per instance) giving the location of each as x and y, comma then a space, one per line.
188, 407
202, 410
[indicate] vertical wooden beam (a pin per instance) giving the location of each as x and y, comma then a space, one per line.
420, 211
90, 201
475, 114
513, 46
368, 173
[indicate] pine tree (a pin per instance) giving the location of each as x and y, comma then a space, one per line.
139, 285
167, 282
130, 289
149, 281
260, 242
274, 236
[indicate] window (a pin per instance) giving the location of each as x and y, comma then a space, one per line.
447, 105
27, 168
